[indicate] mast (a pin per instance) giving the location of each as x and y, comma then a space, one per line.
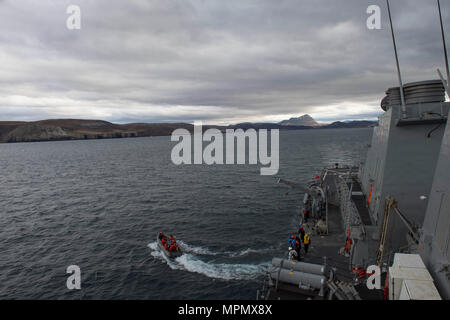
402, 96
445, 47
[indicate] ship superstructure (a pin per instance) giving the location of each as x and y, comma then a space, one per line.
391, 212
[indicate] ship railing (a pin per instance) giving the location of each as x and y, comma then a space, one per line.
425, 110
351, 218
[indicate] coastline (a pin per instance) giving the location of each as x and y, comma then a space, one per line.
76, 129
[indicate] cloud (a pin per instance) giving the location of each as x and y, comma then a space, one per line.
217, 61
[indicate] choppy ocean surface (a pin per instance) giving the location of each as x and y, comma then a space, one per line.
99, 204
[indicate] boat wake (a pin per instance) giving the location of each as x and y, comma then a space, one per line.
207, 252
197, 250
190, 262
249, 251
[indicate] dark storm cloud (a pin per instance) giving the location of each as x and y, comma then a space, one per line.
223, 61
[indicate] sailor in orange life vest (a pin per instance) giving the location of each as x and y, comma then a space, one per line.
173, 244
173, 247
348, 245
306, 214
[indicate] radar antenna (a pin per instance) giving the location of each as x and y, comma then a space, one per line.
446, 83
402, 95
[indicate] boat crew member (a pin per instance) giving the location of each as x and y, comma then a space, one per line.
294, 238
306, 242
301, 232
292, 243
160, 236
173, 246
174, 243
291, 238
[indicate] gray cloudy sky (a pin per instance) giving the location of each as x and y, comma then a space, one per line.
211, 60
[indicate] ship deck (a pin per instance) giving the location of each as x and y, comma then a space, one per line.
329, 246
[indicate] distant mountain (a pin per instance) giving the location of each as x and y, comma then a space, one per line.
305, 120
350, 124
264, 125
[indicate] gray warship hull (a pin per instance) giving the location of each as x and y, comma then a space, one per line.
396, 202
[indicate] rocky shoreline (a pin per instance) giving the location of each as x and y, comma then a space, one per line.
71, 129
74, 129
